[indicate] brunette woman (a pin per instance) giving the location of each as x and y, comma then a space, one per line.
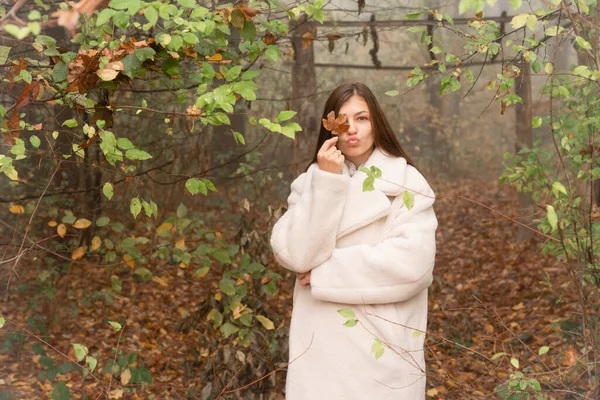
369, 251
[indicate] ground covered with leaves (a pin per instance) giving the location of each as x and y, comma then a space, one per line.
494, 303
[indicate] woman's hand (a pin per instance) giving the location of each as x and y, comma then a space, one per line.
304, 278
330, 159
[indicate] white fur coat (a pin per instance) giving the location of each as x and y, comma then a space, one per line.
369, 253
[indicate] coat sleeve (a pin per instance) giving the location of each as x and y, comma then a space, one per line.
305, 235
394, 270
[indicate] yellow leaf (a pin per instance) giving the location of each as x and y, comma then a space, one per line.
518, 307
160, 281
129, 260
164, 226
52, 223
488, 328
183, 265
17, 209
125, 376
78, 253
96, 243
82, 223
61, 230
432, 392
266, 322
180, 244
218, 296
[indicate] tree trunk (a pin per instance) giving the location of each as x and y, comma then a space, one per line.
524, 139
304, 86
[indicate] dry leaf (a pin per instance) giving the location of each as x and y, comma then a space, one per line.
335, 125
488, 328
307, 39
61, 230
161, 281
125, 376
17, 209
432, 392
180, 244
115, 394
82, 223
78, 253
52, 224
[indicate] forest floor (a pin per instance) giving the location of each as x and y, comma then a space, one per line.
490, 296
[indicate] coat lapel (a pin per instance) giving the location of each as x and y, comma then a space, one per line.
362, 208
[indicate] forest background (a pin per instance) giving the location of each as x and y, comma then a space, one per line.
148, 148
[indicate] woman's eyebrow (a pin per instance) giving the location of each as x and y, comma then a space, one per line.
360, 112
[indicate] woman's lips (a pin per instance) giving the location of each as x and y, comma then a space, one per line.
353, 142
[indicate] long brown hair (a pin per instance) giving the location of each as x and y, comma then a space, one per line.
382, 131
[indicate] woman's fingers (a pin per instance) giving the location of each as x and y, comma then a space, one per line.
329, 143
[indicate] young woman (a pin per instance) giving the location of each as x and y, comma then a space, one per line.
366, 251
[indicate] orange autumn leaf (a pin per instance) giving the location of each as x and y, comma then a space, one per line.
17, 209
335, 125
129, 260
96, 243
161, 281
78, 253
216, 57
52, 224
249, 13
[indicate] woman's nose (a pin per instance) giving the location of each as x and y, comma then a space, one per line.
352, 128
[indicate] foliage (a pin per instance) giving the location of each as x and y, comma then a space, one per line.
208, 59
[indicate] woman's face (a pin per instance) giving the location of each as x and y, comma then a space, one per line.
357, 142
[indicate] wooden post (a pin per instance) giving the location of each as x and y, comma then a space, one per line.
524, 139
304, 86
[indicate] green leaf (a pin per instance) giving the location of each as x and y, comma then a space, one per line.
558, 187
519, 21
116, 326
91, 362
132, 6
143, 273
71, 123
80, 351
350, 323
190, 38
151, 15
146, 53
249, 31
233, 73
181, 211
125, 144
227, 287
285, 115
536, 122
137, 154
413, 15
552, 217
514, 362
584, 44
497, 355
35, 141
135, 206
582, 70
531, 22
535, 66
346, 313
543, 350
554, 30
107, 189
266, 322
2, 322
392, 93
104, 16
4, 52
228, 329
187, 3
516, 4
115, 284
239, 138
249, 75
272, 53
377, 348
195, 186
61, 391
409, 199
